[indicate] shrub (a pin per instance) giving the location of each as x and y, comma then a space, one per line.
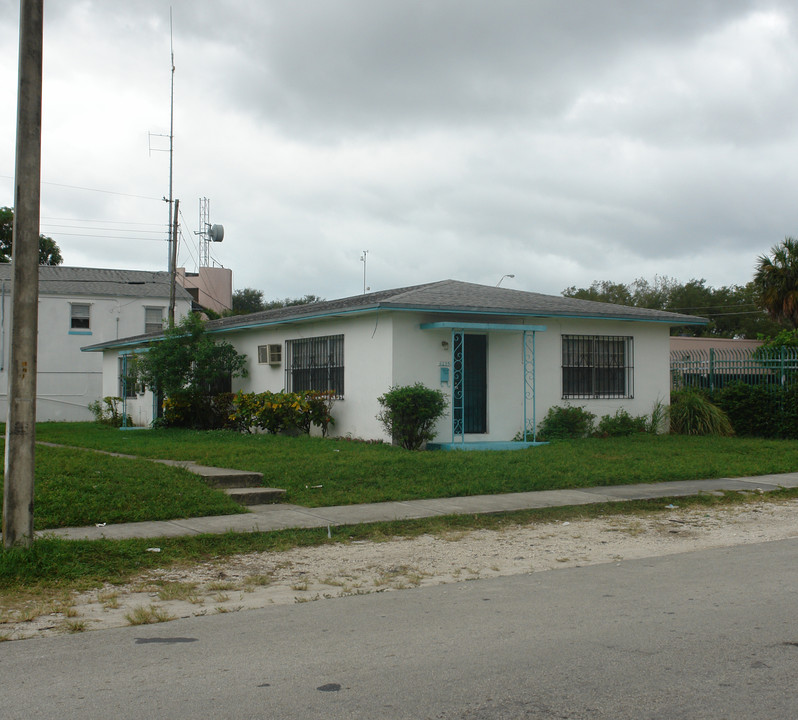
658, 416
566, 422
410, 412
108, 412
282, 412
621, 424
787, 426
752, 409
691, 413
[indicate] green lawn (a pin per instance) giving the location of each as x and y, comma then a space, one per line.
320, 472
78, 487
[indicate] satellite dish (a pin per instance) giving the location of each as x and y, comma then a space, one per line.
216, 233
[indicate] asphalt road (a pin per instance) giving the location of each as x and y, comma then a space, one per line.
710, 634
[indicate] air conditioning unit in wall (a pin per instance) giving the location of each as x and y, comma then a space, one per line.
270, 354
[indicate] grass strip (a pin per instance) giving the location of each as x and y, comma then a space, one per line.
53, 563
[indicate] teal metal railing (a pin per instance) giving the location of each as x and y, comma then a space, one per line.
714, 369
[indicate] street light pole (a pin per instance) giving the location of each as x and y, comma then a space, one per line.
21, 424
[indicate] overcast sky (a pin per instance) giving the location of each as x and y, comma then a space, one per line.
561, 141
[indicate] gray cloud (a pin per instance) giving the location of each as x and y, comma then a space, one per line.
563, 142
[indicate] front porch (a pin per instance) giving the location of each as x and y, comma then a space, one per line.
466, 394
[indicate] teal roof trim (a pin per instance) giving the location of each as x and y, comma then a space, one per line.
483, 326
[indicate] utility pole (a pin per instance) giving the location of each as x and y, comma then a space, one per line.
21, 424
173, 267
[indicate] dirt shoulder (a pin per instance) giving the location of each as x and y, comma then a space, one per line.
257, 580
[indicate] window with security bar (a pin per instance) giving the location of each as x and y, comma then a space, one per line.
597, 366
315, 364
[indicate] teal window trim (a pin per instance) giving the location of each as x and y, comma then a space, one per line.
80, 332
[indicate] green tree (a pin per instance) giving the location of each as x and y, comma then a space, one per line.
776, 279
732, 310
49, 252
188, 367
247, 300
291, 302
602, 291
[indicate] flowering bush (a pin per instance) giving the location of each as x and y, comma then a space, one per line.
283, 411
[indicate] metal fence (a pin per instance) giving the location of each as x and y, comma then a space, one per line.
714, 369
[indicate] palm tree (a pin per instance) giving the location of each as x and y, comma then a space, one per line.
776, 280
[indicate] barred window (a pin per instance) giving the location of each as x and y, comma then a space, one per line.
597, 366
315, 364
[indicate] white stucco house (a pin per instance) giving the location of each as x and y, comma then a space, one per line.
503, 357
78, 306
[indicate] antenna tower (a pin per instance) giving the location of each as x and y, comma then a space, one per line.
204, 226
207, 233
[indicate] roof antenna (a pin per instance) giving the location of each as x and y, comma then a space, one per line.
363, 260
172, 238
171, 137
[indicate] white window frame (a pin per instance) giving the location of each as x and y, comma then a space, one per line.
148, 323
77, 317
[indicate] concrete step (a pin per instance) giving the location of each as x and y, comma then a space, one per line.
223, 478
255, 496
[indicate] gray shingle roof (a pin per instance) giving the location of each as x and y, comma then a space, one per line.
459, 298
77, 281
450, 297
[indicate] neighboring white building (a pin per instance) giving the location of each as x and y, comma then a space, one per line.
502, 356
78, 306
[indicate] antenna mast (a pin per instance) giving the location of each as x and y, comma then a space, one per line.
172, 238
363, 259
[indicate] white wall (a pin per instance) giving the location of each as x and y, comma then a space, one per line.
651, 365
387, 349
67, 378
418, 355
367, 366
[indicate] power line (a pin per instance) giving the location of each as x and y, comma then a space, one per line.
112, 237
88, 189
112, 229
106, 220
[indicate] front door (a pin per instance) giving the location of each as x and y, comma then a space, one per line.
475, 383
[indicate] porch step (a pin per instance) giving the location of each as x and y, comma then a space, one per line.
255, 496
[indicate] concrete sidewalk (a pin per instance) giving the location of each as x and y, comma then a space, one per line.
280, 517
